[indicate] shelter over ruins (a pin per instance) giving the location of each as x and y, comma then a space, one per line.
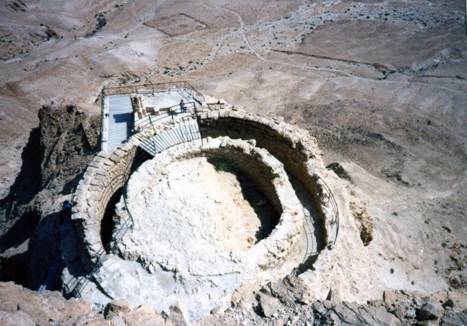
192, 199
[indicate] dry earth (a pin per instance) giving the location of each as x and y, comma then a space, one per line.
381, 84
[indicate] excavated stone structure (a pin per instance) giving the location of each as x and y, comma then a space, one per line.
260, 166
281, 159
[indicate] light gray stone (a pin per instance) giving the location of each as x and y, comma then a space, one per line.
269, 305
430, 311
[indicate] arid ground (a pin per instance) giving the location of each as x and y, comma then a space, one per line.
382, 85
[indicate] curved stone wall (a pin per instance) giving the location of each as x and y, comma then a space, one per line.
294, 147
106, 174
103, 177
265, 170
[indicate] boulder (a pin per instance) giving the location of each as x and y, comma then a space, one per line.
268, 304
144, 315
15, 318
452, 318
47, 308
427, 323
177, 316
116, 308
289, 290
431, 310
399, 304
354, 314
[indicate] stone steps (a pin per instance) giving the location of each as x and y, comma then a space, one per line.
185, 130
81, 283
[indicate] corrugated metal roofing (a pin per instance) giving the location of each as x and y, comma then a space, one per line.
120, 120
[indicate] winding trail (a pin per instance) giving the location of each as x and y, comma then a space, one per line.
335, 72
262, 58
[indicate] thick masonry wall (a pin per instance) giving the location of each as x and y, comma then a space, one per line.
258, 164
103, 177
261, 174
294, 147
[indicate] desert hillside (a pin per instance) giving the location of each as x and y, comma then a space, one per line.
381, 85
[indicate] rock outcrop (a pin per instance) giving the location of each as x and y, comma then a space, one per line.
54, 158
281, 303
20, 306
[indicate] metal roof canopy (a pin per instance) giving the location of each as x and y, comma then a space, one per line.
118, 119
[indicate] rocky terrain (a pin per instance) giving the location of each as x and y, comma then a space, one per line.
54, 158
281, 303
381, 85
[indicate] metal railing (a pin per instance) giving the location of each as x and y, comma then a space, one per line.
311, 252
153, 88
310, 249
184, 130
163, 113
328, 199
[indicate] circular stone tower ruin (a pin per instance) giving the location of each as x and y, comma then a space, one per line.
192, 199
